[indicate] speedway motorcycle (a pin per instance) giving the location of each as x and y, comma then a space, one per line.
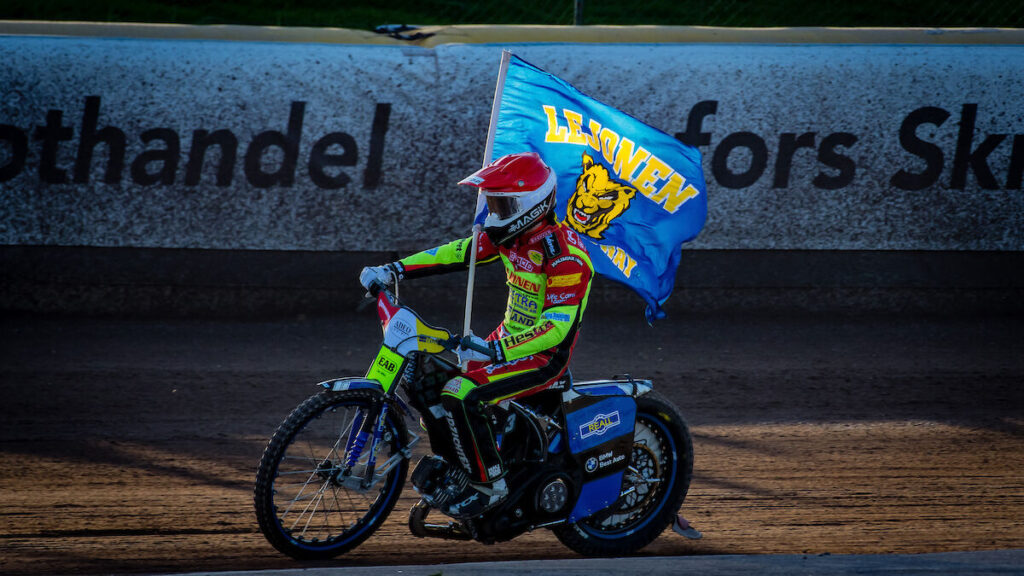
605, 465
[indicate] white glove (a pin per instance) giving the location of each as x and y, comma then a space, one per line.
467, 354
385, 275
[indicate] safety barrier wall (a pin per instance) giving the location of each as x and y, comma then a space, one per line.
300, 146
182, 138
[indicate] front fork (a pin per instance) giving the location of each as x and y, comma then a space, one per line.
366, 428
368, 431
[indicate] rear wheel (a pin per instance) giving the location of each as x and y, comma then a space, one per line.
311, 500
653, 488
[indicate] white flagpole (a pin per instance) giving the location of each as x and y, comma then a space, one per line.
499, 89
488, 152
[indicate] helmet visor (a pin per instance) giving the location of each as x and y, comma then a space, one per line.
502, 206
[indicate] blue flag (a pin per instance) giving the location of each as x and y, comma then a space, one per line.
633, 192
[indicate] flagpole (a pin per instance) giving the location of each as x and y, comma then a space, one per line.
488, 152
499, 88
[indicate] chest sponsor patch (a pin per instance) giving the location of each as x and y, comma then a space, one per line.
574, 239
537, 237
522, 309
559, 298
551, 247
520, 262
522, 302
523, 284
564, 280
564, 259
535, 257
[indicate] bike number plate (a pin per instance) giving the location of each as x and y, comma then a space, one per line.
386, 368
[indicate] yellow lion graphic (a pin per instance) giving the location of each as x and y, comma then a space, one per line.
597, 201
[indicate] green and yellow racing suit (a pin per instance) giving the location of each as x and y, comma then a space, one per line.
548, 273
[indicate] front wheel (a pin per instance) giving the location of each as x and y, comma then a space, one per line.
653, 488
316, 495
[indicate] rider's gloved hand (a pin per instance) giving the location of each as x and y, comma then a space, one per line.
386, 275
476, 349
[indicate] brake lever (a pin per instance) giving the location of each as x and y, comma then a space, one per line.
370, 297
365, 302
452, 344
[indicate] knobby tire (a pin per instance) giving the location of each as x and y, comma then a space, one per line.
390, 488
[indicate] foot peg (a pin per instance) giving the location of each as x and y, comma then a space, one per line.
448, 488
421, 529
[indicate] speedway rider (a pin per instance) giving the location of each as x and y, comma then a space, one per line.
548, 273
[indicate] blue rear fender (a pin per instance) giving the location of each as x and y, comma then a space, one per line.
615, 387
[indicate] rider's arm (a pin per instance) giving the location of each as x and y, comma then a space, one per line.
447, 257
546, 335
568, 287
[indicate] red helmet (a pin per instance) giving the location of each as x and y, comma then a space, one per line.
520, 191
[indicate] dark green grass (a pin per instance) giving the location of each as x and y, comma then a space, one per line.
368, 15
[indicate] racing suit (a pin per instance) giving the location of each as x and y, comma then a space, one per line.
548, 273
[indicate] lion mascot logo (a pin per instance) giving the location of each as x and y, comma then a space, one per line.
598, 200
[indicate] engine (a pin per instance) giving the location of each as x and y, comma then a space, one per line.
439, 482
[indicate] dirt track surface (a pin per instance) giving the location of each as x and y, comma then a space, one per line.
130, 446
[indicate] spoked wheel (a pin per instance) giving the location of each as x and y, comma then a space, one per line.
653, 488
313, 498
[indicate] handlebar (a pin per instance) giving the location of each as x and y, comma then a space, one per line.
375, 288
467, 344
451, 344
